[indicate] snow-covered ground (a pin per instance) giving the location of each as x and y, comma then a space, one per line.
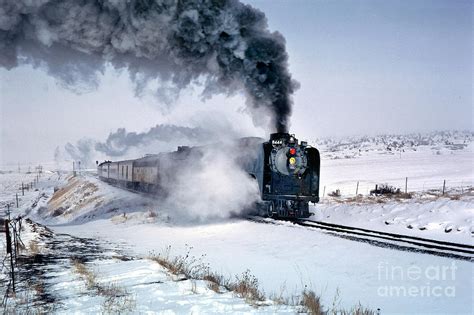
285, 258
65, 274
425, 160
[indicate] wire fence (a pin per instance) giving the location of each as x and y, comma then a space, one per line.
419, 185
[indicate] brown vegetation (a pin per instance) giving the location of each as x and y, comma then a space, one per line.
116, 299
245, 286
311, 303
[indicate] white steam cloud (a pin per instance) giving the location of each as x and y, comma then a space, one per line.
122, 144
211, 187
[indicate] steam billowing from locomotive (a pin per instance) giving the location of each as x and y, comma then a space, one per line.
224, 45
119, 142
122, 143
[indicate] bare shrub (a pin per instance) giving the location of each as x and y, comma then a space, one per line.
187, 265
117, 300
336, 193
247, 287
385, 189
215, 281
311, 303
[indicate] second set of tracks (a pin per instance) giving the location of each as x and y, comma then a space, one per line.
383, 239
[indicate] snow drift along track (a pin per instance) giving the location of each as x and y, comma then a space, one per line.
385, 239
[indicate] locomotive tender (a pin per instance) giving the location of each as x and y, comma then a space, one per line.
287, 172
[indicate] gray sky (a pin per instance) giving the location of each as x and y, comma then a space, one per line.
365, 67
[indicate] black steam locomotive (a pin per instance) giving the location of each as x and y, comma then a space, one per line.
287, 172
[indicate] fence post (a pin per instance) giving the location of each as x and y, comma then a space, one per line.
9, 251
357, 188
324, 191
444, 185
16, 195
406, 185
22, 189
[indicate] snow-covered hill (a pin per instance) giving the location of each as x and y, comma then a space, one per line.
283, 258
438, 142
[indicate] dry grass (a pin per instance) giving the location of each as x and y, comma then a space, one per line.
357, 310
116, 299
280, 298
186, 265
245, 286
34, 247
88, 276
25, 301
311, 303
372, 199
215, 281
60, 202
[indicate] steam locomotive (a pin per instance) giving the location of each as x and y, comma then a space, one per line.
287, 172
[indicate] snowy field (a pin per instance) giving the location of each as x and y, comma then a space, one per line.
284, 258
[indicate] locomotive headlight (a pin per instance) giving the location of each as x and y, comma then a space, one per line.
292, 161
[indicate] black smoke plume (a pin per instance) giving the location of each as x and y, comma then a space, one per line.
223, 44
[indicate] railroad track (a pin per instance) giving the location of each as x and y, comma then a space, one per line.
385, 239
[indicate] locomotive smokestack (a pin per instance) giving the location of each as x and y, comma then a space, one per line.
279, 135
177, 42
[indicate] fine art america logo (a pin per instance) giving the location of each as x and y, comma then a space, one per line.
416, 281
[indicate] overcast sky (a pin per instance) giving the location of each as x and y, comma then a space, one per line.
365, 67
